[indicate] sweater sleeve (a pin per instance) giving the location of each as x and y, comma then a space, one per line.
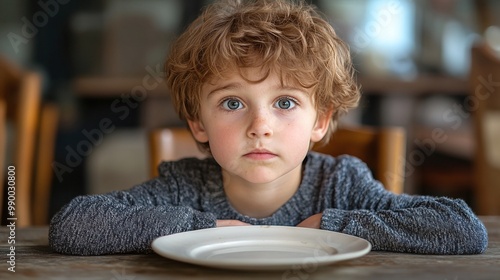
124, 221
400, 223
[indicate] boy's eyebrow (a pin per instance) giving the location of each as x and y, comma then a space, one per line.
284, 87
232, 86
225, 87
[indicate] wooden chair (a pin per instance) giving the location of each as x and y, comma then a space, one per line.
382, 149
168, 144
32, 128
43, 173
485, 93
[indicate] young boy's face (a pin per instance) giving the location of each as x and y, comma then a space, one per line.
258, 132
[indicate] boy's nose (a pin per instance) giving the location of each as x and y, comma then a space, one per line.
260, 125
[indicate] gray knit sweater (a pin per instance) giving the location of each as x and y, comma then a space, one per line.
188, 195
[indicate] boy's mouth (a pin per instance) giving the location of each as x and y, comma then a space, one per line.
260, 154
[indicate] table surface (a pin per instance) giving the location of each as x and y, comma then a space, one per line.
34, 259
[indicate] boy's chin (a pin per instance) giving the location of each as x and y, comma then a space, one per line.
261, 178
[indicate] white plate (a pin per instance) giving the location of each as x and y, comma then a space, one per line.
260, 247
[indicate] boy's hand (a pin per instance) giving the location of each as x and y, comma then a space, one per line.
227, 223
312, 222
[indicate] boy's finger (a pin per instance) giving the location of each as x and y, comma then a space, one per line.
225, 223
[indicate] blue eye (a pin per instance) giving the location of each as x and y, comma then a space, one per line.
285, 103
231, 104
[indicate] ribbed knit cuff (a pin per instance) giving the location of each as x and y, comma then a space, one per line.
203, 220
335, 220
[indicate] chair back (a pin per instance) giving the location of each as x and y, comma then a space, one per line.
22, 115
43, 172
485, 96
20, 92
382, 149
168, 144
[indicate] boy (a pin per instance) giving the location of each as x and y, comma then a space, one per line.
258, 83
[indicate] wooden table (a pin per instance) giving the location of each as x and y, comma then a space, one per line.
34, 259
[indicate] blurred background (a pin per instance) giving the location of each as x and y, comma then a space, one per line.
101, 66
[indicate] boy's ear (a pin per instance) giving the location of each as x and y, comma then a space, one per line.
321, 126
198, 131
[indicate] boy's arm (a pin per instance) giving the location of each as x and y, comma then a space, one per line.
124, 221
402, 223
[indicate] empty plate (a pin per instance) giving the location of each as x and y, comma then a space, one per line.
260, 247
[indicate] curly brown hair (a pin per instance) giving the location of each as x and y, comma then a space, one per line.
288, 37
